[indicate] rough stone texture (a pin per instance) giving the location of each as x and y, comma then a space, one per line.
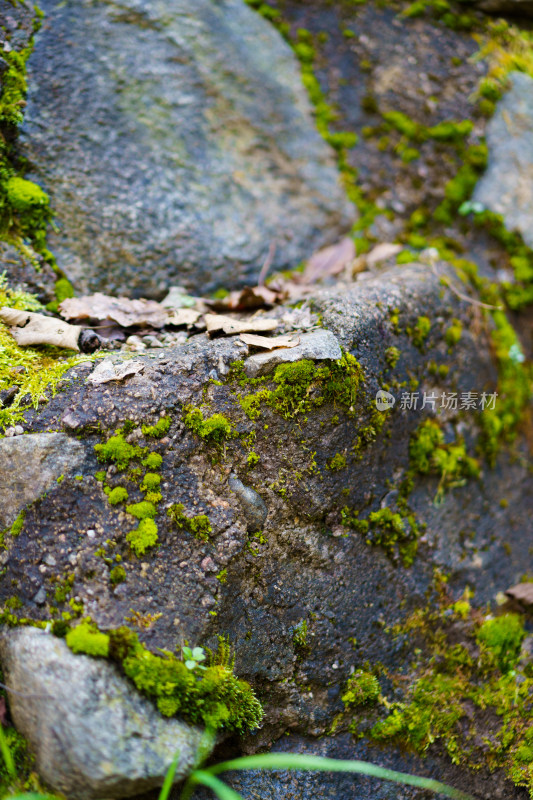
30, 465
507, 185
177, 144
21, 272
304, 566
253, 505
93, 735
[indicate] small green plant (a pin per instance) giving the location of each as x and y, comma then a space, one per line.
117, 495
362, 688
199, 526
193, 658
159, 429
215, 429
118, 450
145, 535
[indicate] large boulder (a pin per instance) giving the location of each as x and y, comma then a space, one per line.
177, 143
92, 734
304, 598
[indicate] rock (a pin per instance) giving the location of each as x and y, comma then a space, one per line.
253, 505
92, 734
30, 465
215, 579
177, 143
27, 271
507, 185
318, 345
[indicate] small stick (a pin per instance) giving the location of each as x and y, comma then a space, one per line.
268, 263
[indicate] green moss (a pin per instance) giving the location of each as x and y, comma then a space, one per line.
63, 587
397, 533
150, 482
142, 510
117, 495
337, 463
143, 537
199, 526
501, 639
252, 459
392, 356
118, 450
152, 461
117, 575
213, 696
223, 576
420, 332
299, 635
100, 476
18, 524
429, 454
453, 333
362, 688
159, 429
216, 429
86, 638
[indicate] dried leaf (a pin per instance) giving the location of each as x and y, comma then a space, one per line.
247, 299
522, 592
106, 371
217, 323
122, 310
31, 328
329, 261
382, 252
177, 297
269, 343
182, 316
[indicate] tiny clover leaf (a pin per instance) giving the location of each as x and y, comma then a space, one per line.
193, 657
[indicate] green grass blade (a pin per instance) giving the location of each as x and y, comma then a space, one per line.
169, 778
7, 756
222, 791
283, 761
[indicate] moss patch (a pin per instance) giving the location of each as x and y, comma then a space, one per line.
199, 526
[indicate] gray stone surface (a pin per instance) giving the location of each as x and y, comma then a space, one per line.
253, 505
318, 345
29, 465
507, 185
93, 735
177, 144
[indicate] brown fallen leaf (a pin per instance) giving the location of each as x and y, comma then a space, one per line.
329, 261
219, 323
382, 252
269, 343
247, 299
182, 316
29, 328
522, 592
122, 310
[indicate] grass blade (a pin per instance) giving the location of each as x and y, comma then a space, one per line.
7, 756
222, 791
169, 778
284, 761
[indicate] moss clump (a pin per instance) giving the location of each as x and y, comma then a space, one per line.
453, 333
420, 332
430, 455
142, 510
143, 537
199, 526
86, 638
117, 495
150, 482
397, 533
362, 688
18, 524
117, 449
337, 463
159, 429
213, 696
215, 429
392, 356
117, 575
299, 635
152, 461
464, 694
501, 639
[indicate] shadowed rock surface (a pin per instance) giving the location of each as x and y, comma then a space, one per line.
303, 565
177, 145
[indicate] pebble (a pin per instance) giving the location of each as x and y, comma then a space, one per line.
91, 534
